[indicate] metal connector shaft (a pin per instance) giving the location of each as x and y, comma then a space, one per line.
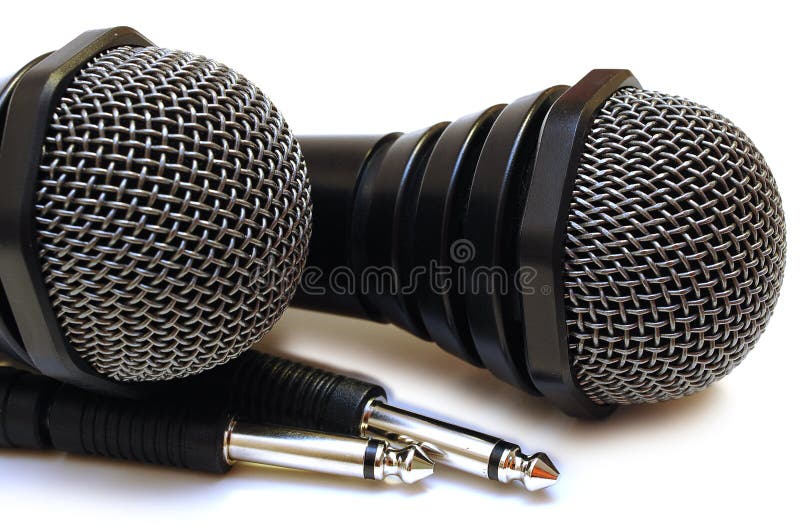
325, 453
467, 450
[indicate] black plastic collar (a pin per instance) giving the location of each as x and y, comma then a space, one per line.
541, 238
29, 107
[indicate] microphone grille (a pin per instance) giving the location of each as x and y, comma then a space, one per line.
675, 249
172, 213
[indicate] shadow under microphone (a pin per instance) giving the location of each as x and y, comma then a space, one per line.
598, 244
154, 216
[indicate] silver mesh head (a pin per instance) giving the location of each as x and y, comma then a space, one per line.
172, 214
675, 250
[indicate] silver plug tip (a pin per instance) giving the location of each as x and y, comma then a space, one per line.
540, 472
535, 472
458, 447
310, 450
409, 464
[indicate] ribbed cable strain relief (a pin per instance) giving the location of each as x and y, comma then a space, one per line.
24, 401
165, 434
263, 388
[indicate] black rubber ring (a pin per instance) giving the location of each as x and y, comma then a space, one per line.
369, 459
494, 459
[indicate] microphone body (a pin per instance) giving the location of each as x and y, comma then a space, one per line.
551, 242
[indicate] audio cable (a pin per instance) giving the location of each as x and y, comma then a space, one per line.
269, 389
37, 412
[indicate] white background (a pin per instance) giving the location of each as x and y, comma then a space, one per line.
725, 458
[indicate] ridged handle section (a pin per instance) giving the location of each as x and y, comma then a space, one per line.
263, 388
422, 230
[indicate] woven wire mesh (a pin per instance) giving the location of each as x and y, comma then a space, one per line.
675, 249
172, 213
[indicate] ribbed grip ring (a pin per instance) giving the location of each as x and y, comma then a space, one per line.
170, 435
266, 389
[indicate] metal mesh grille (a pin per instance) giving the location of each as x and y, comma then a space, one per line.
173, 213
675, 250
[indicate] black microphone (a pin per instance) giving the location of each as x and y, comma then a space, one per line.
598, 244
155, 213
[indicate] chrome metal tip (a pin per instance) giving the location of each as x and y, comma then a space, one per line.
540, 472
534, 472
410, 464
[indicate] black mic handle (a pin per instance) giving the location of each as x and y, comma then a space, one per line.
421, 230
263, 388
39, 413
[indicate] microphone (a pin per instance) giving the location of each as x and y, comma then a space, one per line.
155, 213
599, 244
